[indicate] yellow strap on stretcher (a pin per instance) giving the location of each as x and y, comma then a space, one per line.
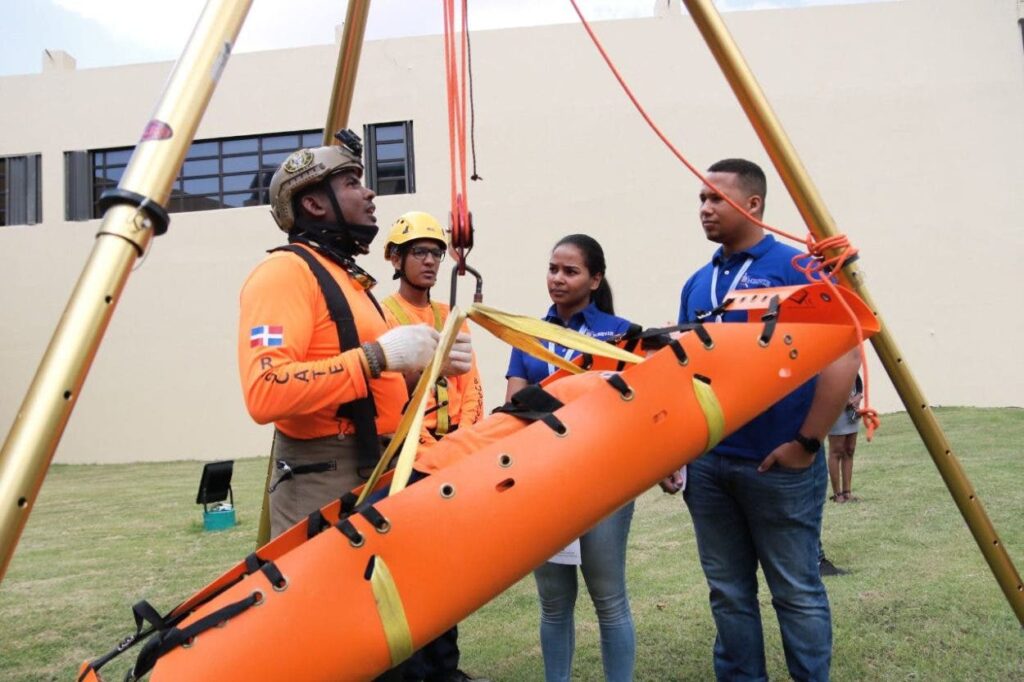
712, 410
391, 612
522, 332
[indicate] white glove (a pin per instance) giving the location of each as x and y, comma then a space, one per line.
408, 347
460, 359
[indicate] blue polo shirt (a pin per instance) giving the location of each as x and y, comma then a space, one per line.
589, 321
767, 264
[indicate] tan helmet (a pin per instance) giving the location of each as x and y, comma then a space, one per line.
412, 226
303, 168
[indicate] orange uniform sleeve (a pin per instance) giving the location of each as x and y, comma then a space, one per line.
285, 369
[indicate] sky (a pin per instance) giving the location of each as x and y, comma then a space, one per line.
100, 33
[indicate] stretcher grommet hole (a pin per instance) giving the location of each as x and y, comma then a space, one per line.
447, 491
187, 644
357, 541
709, 345
258, 597
282, 585
22, 502
67, 395
826, 298
222, 624
762, 343
505, 485
562, 432
628, 395
108, 299
384, 527
793, 354
504, 460
788, 340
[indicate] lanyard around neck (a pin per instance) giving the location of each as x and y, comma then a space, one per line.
568, 351
732, 285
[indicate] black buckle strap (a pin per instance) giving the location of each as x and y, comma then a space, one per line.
698, 329
533, 403
619, 384
770, 318
679, 351
376, 519
348, 503
315, 524
346, 528
162, 643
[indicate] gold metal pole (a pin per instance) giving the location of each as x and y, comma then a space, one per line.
347, 68
123, 236
337, 118
818, 220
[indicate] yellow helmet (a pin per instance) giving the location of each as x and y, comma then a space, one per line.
304, 168
412, 226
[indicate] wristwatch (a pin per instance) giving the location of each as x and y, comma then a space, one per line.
811, 445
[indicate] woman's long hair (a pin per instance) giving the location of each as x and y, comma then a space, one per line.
593, 258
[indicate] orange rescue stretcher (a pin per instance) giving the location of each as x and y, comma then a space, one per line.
349, 594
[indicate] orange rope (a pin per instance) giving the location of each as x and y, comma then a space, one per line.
455, 59
815, 268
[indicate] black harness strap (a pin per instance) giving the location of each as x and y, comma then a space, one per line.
376, 519
533, 403
315, 524
619, 384
632, 336
698, 329
161, 643
348, 503
254, 563
346, 528
362, 413
679, 351
770, 318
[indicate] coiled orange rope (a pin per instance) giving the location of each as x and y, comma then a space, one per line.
816, 268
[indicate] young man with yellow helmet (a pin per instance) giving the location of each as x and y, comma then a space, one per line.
416, 247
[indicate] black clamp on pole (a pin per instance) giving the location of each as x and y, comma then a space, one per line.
156, 213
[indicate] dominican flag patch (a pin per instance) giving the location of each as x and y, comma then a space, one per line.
266, 335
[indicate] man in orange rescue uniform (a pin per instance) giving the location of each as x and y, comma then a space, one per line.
415, 247
315, 354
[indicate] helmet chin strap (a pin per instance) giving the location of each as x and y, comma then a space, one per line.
339, 237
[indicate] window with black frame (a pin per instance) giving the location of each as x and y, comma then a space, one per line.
224, 173
21, 196
389, 158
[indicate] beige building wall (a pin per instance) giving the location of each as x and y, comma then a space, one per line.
907, 114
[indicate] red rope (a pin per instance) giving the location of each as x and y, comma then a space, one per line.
815, 268
455, 59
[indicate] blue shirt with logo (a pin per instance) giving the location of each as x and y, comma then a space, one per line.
766, 264
589, 321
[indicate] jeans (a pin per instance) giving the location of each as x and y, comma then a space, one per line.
742, 518
603, 551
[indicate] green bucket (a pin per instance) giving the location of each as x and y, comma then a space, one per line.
218, 519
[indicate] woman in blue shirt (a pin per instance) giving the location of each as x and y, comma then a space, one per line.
582, 301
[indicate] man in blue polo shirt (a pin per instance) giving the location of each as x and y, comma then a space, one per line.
757, 497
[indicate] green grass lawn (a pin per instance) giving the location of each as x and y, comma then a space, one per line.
919, 602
